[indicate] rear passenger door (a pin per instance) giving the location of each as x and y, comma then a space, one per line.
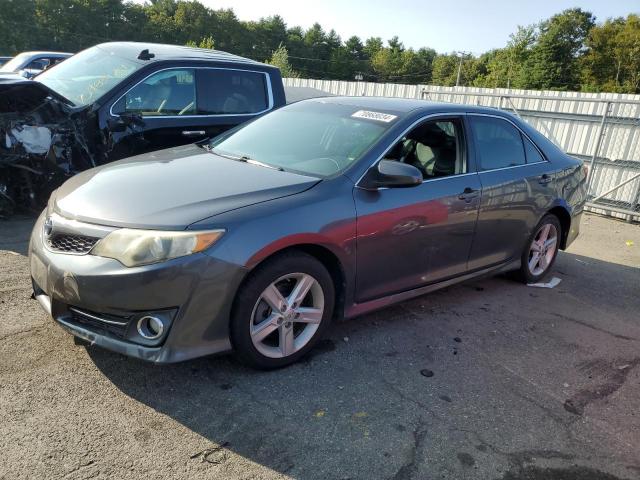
177, 106
515, 190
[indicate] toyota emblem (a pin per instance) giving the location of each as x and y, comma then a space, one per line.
48, 226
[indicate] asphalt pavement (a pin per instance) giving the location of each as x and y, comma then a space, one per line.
485, 380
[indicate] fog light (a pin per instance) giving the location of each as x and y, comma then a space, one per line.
150, 327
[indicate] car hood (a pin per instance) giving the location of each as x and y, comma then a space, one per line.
171, 189
30, 93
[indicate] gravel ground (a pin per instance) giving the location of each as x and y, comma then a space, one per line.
486, 380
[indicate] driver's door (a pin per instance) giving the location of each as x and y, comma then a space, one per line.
410, 237
177, 106
165, 104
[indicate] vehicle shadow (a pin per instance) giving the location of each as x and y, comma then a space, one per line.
15, 232
387, 390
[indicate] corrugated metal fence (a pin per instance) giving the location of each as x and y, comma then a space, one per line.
603, 129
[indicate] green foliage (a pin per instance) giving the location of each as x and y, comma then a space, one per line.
612, 60
554, 59
568, 51
280, 59
206, 42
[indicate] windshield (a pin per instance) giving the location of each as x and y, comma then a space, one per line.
15, 63
313, 138
88, 75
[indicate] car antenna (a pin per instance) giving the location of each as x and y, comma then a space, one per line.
145, 55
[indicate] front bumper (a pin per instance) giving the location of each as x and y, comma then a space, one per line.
195, 292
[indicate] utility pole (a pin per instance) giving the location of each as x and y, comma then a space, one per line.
358, 78
462, 54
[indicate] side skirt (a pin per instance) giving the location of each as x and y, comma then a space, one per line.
366, 307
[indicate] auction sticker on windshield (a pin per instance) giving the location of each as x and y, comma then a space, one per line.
379, 116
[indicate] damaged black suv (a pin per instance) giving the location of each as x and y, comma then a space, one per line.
116, 100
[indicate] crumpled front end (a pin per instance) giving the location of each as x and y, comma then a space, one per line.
43, 141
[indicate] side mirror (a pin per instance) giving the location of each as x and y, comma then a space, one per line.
391, 174
124, 121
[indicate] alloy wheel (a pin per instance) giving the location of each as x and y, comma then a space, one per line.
543, 248
287, 315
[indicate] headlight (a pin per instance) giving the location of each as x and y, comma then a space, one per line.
142, 247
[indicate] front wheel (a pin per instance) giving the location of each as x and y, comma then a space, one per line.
282, 310
541, 250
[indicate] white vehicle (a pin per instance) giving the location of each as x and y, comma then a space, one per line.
30, 64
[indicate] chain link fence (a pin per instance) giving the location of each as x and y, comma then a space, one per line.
601, 129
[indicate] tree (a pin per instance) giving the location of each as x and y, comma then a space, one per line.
612, 60
566, 51
505, 67
280, 59
206, 42
553, 62
445, 69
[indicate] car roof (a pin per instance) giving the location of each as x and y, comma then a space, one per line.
163, 52
53, 54
405, 105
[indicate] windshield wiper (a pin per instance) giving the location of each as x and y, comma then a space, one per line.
242, 158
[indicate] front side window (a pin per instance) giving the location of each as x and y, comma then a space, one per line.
312, 137
224, 92
39, 64
165, 93
434, 148
499, 143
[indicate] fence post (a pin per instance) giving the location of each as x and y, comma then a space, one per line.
594, 158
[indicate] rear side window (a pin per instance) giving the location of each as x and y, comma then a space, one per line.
224, 92
533, 155
499, 143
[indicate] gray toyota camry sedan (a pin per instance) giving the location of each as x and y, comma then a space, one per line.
327, 208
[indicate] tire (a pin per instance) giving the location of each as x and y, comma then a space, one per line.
532, 271
292, 331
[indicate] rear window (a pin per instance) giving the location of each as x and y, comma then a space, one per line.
224, 92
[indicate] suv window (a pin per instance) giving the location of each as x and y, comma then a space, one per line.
433, 147
169, 92
223, 91
498, 142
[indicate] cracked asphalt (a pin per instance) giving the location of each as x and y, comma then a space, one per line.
527, 384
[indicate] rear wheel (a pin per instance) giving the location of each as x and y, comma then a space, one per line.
282, 310
541, 250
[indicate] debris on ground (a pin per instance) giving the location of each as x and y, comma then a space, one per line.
550, 284
214, 455
426, 373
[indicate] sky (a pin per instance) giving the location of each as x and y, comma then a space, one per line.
446, 26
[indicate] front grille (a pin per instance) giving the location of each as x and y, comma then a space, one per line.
100, 323
63, 242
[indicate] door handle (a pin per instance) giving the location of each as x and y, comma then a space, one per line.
545, 179
468, 194
193, 133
